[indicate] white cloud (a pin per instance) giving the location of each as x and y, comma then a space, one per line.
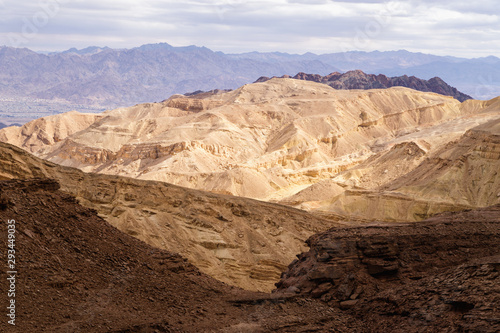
461, 28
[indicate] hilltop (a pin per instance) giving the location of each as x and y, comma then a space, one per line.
301, 143
359, 80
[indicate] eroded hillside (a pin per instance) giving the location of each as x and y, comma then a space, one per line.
240, 241
298, 142
77, 273
463, 174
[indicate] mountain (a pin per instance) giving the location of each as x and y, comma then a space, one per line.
359, 80
479, 77
109, 77
432, 276
77, 273
97, 78
300, 143
87, 50
239, 241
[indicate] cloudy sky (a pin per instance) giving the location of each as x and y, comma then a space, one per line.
444, 27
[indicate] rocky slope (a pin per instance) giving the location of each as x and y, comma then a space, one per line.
440, 275
243, 242
462, 174
358, 80
298, 142
77, 273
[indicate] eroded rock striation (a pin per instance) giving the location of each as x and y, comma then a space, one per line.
242, 242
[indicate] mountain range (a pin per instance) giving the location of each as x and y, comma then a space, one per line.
478, 77
101, 77
434, 275
284, 205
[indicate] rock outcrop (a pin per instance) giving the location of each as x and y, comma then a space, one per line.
359, 80
435, 275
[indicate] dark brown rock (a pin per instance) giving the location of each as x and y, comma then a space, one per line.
359, 80
325, 273
441, 274
348, 304
321, 289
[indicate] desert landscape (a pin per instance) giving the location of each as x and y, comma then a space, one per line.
226, 189
249, 166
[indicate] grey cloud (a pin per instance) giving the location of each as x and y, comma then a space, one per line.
295, 26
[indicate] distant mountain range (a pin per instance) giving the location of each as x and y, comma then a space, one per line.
108, 77
360, 80
479, 77
101, 76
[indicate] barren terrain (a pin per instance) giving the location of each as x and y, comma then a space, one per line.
350, 153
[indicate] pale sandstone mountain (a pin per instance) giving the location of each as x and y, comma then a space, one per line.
408, 183
47, 130
273, 140
240, 241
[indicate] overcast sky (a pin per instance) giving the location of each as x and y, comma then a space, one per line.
444, 27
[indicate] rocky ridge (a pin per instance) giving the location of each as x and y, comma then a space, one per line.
357, 79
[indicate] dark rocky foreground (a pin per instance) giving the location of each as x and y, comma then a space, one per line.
360, 80
77, 273
440, 275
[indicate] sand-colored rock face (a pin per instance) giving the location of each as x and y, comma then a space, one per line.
461, 175
47, 131
243, 242
301, 143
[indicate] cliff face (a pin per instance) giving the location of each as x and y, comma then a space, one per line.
360, 80
438, 274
